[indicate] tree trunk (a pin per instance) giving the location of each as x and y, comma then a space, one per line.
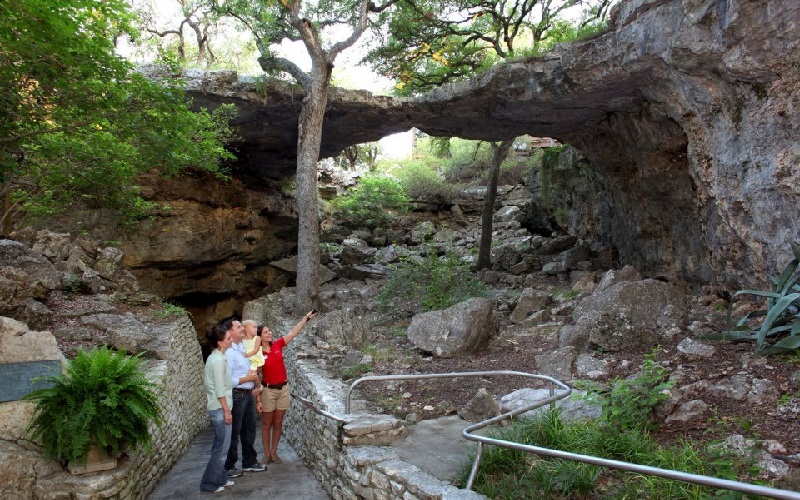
308, 144
499, 153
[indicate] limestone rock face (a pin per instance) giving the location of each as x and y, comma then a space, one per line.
25, 278
686, 110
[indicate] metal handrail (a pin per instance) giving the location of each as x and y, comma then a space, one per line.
568, 389
613, 464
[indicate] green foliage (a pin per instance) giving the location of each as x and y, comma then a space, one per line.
71, 284
564, 31
364, 156
331, 248
104, 399
430, 283
430, 42
169, 309
781, 317
629, 403
510, 474
354, 371
373, 202
421, 182
566, 293
79, 124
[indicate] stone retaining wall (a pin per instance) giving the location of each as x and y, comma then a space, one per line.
24, 472
345, 458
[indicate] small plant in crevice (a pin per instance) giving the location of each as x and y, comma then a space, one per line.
169, 309
355, 371
781, 316
567, 294
71, 284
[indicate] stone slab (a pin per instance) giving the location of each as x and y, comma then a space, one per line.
19, 379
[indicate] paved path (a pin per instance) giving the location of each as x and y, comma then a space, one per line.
289, 480
435, 446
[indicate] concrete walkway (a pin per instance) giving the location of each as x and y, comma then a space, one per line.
435, 446
289, 480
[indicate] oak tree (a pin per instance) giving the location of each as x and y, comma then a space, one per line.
326, 28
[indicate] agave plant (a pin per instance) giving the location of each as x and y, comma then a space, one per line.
781, 316
103, 399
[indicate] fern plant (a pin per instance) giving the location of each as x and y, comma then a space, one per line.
102, 399
781, 315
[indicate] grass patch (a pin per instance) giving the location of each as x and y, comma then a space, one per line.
511, 474
354, 371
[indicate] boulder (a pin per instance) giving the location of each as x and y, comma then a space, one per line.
531, 300
350, 326
482, 406
28, 272
571, 408
459, 329
623, 316
127, 332
19, 344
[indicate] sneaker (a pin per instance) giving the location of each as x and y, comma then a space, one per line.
235, 473
256, 467
276, 459
221, 488
229, 483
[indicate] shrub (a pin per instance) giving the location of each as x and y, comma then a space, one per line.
781, 315
103, 399
629, 404
431, 283
372, 202
421, 182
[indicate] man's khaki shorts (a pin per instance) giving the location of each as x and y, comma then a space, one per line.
275, 399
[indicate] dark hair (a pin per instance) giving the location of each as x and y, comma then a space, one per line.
227, 324
217, 334
259, 328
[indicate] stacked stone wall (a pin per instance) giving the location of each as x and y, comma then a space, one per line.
363, 471
25, 473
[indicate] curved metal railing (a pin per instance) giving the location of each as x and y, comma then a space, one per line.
567, 390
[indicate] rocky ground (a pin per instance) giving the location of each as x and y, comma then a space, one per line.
509, 351
774, 416
776, 420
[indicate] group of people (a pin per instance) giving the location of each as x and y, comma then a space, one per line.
245, 374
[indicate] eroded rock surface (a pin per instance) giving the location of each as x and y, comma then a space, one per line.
686, 110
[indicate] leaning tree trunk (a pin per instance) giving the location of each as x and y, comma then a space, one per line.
308, 144
499, 153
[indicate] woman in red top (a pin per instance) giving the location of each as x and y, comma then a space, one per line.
274, 400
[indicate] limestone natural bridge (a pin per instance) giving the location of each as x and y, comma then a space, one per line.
687, 109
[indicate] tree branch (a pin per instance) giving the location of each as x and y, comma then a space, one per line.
270, 63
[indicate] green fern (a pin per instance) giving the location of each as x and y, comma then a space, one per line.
104, 398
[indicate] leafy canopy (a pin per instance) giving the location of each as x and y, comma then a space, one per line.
430, 42
79, 124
